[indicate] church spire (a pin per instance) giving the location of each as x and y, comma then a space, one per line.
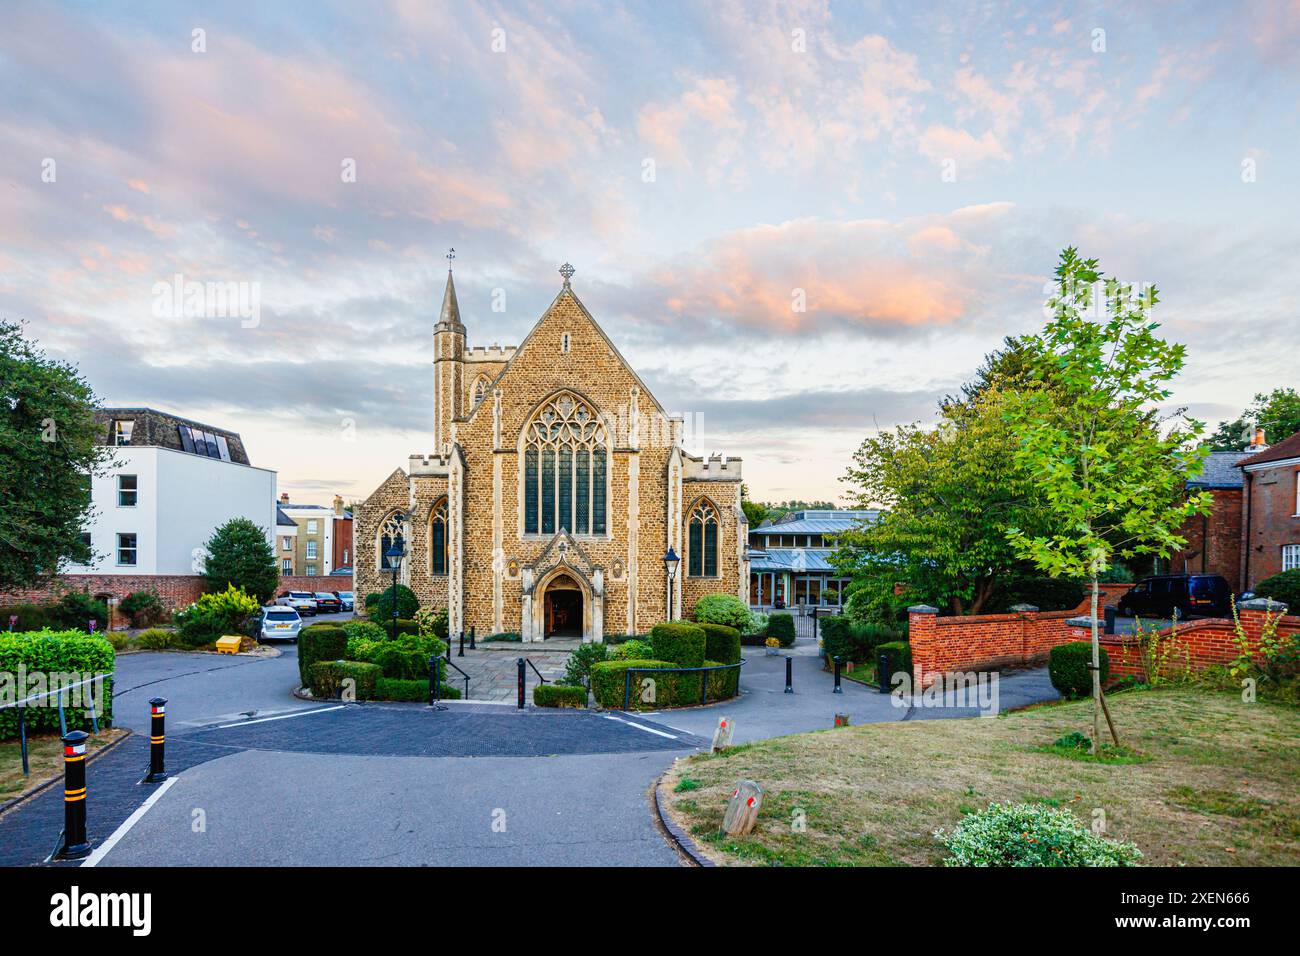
450, 314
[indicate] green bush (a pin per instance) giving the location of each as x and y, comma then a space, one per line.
379, 605
1031, 834
73, 653
76, 609
679, 642
853, 641
671, 690
1046, 594
116, 638
757, 624
634, 649
157, 639
31, 617
1284, 587
722, 609
507, 637
327, 678
362, 630
431, 623
900, 656
388, 688
721, 643
144, 608
781, 626
607, 679
560, 695
1067, 666
577, 669
215, 615
319, 642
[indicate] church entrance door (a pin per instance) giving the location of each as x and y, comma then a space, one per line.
563, 608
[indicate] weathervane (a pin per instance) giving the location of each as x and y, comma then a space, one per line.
451, 254
567, 271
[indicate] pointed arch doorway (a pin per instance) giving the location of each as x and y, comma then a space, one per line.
563, 608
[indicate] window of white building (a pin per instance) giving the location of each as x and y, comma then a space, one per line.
126, 549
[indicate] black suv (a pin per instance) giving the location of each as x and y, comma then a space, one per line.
1207, 595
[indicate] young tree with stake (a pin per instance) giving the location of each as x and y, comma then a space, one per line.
1113, 470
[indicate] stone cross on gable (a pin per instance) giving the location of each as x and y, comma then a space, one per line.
567, 271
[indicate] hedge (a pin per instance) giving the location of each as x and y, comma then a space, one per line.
327, 678
852, 641
559, 695
1284, 588
721, 609
319, 642
679, 642
379, 604
721, 643
781, 626
671, 690
388, 688
48, 653
900, 656
1067, 666
31, 617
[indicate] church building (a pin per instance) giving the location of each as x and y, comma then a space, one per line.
554, 488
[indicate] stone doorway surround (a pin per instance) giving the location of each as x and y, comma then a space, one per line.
563, 557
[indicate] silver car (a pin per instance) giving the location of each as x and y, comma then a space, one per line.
280, 623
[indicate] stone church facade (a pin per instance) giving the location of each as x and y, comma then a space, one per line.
555, 486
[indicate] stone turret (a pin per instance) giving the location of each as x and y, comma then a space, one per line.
448, 366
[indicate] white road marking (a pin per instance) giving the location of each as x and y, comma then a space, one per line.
296, 713
649, 730
102, 850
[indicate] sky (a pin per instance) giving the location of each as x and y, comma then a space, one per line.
800, 222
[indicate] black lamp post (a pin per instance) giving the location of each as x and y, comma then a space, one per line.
670, 565
394, 554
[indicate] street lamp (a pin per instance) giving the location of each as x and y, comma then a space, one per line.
394, 555
670, 565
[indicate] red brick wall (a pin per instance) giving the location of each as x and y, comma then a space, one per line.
1213, 540
1198, 644
1273, 522
319, 582
1110, 594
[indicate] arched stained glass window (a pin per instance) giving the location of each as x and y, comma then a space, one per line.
438, 538
565, 451
391, 532
702, 537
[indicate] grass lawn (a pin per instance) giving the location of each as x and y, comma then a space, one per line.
1208, 780
45, 759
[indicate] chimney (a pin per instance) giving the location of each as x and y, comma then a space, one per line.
338, 506
1257, 442
284, 497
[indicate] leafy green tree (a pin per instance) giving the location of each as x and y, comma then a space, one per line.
50, 447
1277, 412
240, 555
754, 512
1113, 474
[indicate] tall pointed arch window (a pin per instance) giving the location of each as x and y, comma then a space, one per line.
438, 538
479, 392
565, 469
702, 541
391, 532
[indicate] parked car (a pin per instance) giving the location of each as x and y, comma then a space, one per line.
1207, 595
347, 599
327, 602
279, 623
304, 602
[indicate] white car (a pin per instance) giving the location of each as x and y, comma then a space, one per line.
304, 602
280, 623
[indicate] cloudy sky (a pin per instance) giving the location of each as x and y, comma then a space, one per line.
909, 171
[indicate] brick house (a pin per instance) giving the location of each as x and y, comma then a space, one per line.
1270, 535
1214, 540
343, 553
555, 485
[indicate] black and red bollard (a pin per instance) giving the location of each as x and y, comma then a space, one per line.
522, 679
838, 689
157, 741
75, 844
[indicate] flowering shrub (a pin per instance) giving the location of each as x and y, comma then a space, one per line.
1029, 834
432, 623
215, 615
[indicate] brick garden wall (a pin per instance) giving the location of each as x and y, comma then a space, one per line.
1196, 644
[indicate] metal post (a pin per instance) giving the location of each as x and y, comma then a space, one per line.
838, 689
627, 689
472, 645
461, 652
434, 689
74, 842
704, 687
522, 678
157, 740
63, 721
789, 674
22, 735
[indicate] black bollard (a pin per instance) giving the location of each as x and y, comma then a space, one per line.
74, 842
522, 678
157, 741
472, 645
461, 652
838, 689
789, 674
434, 689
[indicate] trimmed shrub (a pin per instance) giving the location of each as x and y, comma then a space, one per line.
31, 617
670, 690
721, 643
69, 652
679, 642
1067, 666
781, 626
388, 688
722, 609
157, 639
853, 641
144, 608
327, 678
559, 695
1284, 587
215, 615
900, 656
76, 609
635, 649
361, 630
380, 603
577, 668
431, 623
319, 642
1031, 834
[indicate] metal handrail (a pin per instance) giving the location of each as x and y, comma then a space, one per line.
536, 671
704, 680
63, 722
451, 663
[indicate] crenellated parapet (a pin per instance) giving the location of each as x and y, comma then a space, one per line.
713, 468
